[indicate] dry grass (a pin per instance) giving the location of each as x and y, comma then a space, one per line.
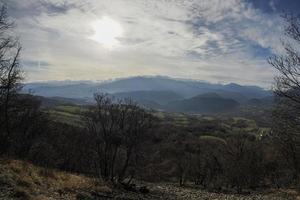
26, 181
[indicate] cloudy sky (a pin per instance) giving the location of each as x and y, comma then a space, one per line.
211, 40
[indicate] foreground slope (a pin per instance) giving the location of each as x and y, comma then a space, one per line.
24, 181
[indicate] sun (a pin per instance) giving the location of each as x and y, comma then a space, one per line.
106, 32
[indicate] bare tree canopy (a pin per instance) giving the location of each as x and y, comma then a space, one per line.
288, 65
119, 127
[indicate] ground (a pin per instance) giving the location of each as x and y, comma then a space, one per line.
24, 181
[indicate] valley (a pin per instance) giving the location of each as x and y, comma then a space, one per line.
161, 93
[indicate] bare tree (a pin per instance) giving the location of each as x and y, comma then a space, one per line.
119, 128
10, 75
244, 161
135, 124
287, 114
101, 122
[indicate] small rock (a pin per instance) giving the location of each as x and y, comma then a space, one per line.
144, 190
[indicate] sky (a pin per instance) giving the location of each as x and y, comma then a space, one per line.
210, 40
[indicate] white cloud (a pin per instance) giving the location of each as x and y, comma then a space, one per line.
206, 39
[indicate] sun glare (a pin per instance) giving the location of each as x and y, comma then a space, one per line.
106, 32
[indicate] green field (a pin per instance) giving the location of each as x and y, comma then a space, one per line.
69, 114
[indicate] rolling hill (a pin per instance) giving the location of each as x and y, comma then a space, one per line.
206, 103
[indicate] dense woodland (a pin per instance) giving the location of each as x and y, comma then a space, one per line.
119, 142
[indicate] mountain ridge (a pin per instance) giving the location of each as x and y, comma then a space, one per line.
161, 93
185, 88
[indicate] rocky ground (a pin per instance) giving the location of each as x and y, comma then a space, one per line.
173, 192
168, 191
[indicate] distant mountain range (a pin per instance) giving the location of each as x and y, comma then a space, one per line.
161, 97
159, 93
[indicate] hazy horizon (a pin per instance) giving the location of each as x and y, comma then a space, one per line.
214, 41
71, 82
